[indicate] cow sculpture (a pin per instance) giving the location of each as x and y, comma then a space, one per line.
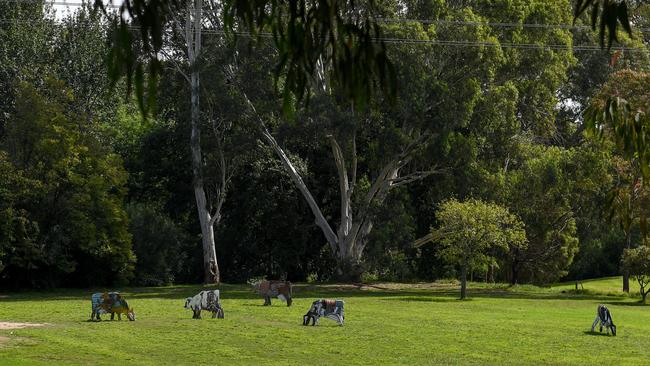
110, 302
604, 317
205, 300
331, 309
280, 289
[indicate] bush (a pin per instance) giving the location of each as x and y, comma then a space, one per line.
158, 244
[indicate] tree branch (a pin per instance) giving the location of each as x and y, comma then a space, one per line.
295, 176
177, 66
412, 177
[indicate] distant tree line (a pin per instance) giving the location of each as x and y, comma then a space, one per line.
93, 194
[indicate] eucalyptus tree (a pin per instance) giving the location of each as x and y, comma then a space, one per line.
400, 142
184, 51
619, 113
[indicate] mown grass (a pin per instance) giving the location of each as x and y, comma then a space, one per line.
385, 323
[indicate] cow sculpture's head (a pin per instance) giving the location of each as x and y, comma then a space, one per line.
130, 314
613, 328
313, 313
187, 302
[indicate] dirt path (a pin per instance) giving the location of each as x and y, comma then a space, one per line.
13, 325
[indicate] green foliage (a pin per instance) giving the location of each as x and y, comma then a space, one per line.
607, 14
470, 230
503, 124
542, 192
304, 33
620, 112
159, 244
636, 262
65, 218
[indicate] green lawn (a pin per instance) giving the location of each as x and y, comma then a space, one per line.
385, 323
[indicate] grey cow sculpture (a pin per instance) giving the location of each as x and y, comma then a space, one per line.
604, 317
331, 309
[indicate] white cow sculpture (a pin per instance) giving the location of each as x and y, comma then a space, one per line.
205, 300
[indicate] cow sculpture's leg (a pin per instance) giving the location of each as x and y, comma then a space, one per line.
593, 326
119, 316
112, 316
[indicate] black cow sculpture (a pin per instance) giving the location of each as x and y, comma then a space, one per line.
604, 317
331, 309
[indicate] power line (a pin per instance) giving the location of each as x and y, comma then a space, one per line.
59, 3
398, 40
391, 20
493, 24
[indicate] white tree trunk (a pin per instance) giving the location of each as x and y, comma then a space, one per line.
350, 240
193, 38
320, 220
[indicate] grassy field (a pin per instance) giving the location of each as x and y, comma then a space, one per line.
385, 323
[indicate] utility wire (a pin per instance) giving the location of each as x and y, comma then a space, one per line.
399, 40
59, 2
432, 42
493, 24
390, 20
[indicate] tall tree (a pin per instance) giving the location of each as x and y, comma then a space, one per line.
619, 113
192, 33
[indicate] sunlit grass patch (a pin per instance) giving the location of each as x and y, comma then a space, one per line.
385, 323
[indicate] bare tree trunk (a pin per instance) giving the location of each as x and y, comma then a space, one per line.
463, 282
193, 38
626, 274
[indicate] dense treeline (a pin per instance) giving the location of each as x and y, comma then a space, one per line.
91, 193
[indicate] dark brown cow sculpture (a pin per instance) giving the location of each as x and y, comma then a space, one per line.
268, 289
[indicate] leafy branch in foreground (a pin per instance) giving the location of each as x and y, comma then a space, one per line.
607, 15
310, 36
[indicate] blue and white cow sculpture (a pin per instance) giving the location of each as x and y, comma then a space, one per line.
110, 303
331, 309
604, 317
205, 300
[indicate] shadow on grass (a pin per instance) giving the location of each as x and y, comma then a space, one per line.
310, 291
594, 333
421, 299
628, 303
